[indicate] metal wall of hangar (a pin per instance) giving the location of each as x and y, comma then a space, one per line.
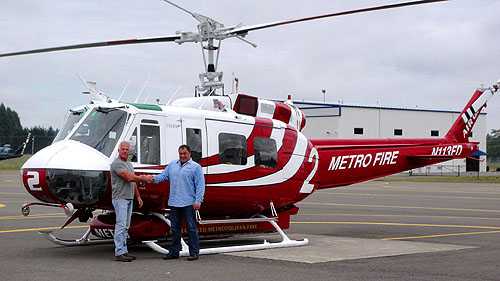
326, 120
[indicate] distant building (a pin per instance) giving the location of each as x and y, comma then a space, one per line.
326, 120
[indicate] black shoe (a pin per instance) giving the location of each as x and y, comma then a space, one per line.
193, 258
130, 256
123, 258
170, 257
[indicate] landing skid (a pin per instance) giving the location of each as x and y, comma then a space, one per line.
284, 243
82, 241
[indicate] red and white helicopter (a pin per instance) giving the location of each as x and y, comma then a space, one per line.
256, 161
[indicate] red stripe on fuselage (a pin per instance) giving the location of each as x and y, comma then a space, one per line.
244, 200
284, 155
263, 128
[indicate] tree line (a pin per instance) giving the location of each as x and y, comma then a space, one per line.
493, 146
13, 133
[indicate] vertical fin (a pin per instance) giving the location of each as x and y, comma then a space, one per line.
461, 129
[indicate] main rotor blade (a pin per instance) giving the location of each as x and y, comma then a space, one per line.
96, 44
180, 8
245, 29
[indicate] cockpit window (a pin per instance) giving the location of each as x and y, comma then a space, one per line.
71, 121
101, 129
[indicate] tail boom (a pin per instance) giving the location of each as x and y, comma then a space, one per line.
349, 161
340, 166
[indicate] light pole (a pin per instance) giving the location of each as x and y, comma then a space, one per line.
324, 95
33, 145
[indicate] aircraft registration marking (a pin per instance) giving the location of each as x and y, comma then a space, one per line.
354, 161
450, 150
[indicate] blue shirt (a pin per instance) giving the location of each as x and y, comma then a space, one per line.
187, 183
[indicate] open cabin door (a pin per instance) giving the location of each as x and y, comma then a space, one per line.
154, 140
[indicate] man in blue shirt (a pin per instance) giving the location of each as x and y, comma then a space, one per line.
187, 187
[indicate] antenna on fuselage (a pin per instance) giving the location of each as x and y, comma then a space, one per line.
123, 91
95, 95
236, 84
143, 87
147, 97
172, 96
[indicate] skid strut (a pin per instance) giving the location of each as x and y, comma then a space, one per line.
84, 240
284, 243
26, 207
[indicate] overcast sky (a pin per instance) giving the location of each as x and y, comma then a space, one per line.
430, 56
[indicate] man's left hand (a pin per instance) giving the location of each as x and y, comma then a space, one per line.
196, 206
139, 202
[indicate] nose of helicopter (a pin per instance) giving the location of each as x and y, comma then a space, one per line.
67, 172
69, 155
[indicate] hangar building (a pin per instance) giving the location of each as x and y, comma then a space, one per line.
326, 120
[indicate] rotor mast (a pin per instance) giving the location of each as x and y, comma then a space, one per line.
208, 28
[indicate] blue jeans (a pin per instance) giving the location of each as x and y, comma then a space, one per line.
176, 215
123, 212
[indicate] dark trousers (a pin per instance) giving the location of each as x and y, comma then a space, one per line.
176, 216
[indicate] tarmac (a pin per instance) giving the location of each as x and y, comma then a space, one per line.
371, 231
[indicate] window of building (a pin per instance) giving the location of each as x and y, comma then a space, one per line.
193, 140
398, 132
232, 149
266, 154
434, 133
358, 131
150, 144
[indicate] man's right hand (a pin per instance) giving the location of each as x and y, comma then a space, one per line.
147, 178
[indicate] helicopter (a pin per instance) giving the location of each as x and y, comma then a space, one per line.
257, 162
7, 152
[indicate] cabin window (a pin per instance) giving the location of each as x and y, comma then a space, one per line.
232, 149
132, 155
246, 105
266, 154
73, 118
143, 121
267, 108
434, 133
398, 132
358, 131
193, 140
150, 144
101, 129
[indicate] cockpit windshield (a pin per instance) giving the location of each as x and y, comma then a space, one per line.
101, 129
71, 121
